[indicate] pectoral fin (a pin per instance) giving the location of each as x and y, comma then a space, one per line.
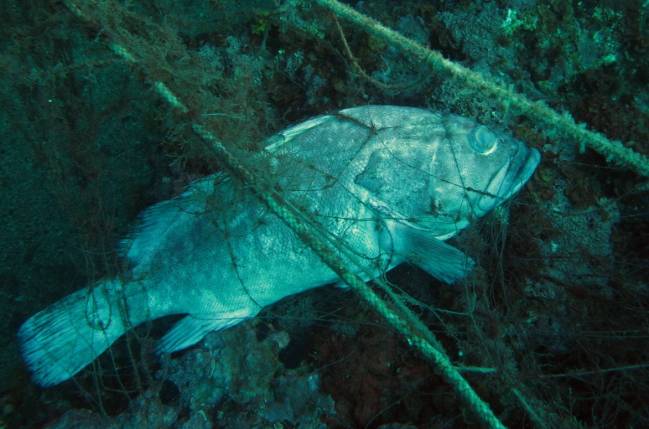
440, 260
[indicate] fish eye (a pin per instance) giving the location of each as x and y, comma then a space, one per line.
483, 141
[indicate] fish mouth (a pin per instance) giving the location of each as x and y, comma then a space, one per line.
509, 179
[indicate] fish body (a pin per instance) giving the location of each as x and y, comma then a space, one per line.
389, 183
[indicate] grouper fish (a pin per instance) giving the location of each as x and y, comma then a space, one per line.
389, 183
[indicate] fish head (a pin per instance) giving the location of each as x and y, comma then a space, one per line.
475, 169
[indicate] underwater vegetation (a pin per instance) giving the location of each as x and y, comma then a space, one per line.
100, 109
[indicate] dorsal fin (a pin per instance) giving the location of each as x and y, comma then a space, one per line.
155, 222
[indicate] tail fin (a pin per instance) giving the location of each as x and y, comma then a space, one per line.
62, 339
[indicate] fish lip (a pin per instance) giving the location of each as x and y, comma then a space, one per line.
518, 172
525, 171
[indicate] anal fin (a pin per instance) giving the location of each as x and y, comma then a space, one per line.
192, 328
